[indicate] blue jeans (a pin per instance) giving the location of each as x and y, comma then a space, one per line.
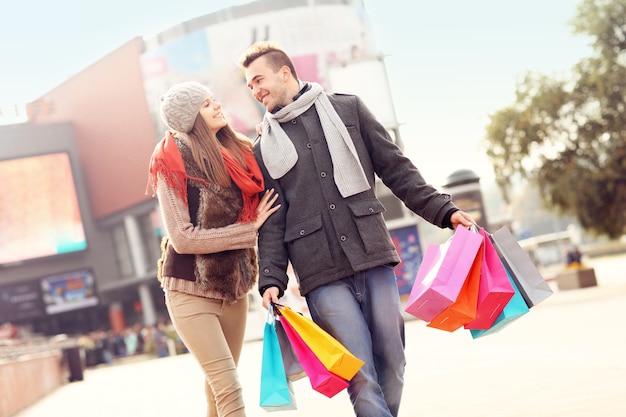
362, 311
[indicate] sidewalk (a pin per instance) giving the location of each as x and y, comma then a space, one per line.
566, 358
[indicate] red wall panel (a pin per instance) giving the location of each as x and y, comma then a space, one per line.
115, 136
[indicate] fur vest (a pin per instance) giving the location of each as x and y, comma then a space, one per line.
226, 273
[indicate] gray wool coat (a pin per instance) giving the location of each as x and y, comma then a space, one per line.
327, 237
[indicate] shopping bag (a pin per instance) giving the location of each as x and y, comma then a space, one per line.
276, 392
531, 284
293, 368
442, 274
495, 289
321, 379
463, 309
335, 357
514, 309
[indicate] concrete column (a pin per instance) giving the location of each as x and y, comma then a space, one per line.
136, 245
147, 305
138, 255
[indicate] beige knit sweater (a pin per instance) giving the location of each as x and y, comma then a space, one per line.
189, 239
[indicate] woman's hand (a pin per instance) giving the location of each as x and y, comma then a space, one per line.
265, 209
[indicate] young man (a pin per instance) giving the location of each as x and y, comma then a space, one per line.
320, 153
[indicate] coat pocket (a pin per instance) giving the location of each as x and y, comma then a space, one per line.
368, 217
308, 246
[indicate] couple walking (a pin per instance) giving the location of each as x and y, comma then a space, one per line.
303, 194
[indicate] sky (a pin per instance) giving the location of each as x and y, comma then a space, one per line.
450, 64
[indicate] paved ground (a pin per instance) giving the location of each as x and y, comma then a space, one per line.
567, 358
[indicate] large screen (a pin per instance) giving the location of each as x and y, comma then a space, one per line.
39, 211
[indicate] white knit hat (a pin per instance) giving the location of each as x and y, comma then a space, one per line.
181, 104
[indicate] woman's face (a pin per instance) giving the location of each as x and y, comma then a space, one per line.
211, 113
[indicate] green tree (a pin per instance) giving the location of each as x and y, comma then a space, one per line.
570, 135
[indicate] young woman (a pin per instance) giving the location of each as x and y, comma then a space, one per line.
208, 184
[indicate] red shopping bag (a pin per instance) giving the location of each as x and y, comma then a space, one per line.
442, 273
514, 309
321, 379
463, 310
495, 288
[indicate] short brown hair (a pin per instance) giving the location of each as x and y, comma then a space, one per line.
275, 56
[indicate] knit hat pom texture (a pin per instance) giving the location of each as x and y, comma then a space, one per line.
181, 104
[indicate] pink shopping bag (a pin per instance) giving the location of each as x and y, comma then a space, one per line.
495, 289
463, 309
321, 379
514, 309
442, 274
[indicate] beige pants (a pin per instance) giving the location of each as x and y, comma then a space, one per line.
213, 331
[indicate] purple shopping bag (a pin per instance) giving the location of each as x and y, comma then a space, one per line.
442, 274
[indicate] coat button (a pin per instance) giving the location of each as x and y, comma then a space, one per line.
266, 270
332, 206
294, 121
302, 232
323, 174
308, 145
343, 238
371, 210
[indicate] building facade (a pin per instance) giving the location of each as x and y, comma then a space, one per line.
105, 120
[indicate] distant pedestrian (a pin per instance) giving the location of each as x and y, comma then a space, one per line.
574, 257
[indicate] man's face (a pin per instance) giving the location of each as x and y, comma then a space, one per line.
268, 87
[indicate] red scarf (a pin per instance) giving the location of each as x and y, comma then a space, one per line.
249, 180
167, 161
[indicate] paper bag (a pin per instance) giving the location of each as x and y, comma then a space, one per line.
276, 392
531, 284
463, 310
514, 309
293, 368
335, 357
442, 274
495, 289
321, 379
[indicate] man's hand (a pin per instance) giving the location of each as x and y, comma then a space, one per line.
270, 295
460, 218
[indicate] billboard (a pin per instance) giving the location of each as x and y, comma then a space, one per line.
69, 291
39, 210
20, 301
407, 243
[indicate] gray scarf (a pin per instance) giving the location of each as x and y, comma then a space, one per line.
279, 153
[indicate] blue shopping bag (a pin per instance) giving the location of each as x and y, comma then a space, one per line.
514, 309
276, 391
